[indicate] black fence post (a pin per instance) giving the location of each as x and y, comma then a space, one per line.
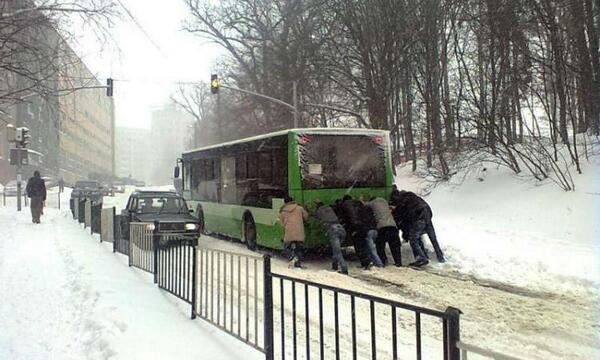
4, 197
130, 243
268, 307
59, 200
155, 237
114, 222
194, 270
91, 217
453, 315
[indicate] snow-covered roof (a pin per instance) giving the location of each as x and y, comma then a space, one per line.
329, 131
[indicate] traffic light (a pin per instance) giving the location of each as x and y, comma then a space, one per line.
22, 136
109, 87
214, 83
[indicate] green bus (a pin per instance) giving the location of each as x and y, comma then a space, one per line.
237, 188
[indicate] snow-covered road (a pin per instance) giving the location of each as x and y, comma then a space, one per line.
514, 320
65, 296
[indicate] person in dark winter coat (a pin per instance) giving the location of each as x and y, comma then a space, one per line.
336, 233
36, 191
413, 217
359, 221
292, 218
387, 232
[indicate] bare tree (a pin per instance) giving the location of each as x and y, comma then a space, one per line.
35, 58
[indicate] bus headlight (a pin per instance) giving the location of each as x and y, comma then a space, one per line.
191, 226
150, 227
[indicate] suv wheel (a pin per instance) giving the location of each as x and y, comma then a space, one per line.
200, 216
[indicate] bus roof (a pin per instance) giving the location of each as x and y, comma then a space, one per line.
334, 131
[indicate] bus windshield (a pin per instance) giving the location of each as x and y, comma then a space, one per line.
334, 161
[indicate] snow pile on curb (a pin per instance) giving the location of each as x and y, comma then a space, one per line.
498, 227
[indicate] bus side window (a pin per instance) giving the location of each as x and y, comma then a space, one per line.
252, 166
241, 165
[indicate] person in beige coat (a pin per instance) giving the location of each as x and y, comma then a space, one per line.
292, 218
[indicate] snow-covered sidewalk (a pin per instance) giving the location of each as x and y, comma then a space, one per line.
65, 296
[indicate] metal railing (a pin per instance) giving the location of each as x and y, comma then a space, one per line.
141, 246
176, 267
321, 321
281, 315
95, 219
120, 244
231, 294
465, 349
80, 210
74, 205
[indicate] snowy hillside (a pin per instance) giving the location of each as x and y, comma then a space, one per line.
498, 227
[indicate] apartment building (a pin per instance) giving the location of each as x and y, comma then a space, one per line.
172, 133
134, 153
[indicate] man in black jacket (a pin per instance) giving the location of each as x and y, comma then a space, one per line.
36, 191
360, 222
413, 216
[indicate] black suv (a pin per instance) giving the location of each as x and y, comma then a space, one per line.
87, 189
166, 207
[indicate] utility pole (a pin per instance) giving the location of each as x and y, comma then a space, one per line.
18, 176
219, 116
295, 104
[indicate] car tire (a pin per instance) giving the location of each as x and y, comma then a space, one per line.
200, 216
249, 231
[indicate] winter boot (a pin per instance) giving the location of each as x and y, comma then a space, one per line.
419, 263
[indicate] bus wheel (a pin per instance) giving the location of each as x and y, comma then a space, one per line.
200, 216
249, 228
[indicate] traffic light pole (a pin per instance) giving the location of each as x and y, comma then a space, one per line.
294, 107
18, 176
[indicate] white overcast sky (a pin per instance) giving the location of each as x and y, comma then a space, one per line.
144, 74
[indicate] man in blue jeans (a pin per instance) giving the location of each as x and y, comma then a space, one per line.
359, 221
336, 234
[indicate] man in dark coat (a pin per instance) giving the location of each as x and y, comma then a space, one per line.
413, 217
36, 191
360, 222
335, 232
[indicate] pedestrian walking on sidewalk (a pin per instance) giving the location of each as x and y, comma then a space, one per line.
36, 191
292, 218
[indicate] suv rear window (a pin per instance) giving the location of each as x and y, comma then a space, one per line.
87, 185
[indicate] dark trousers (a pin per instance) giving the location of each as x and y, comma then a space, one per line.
365, 248
413, 233
294, 250
336, 234
36, 206
389, 235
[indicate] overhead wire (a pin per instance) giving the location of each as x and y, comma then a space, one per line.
141, 28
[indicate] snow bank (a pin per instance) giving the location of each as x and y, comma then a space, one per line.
496, 226
66, 296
